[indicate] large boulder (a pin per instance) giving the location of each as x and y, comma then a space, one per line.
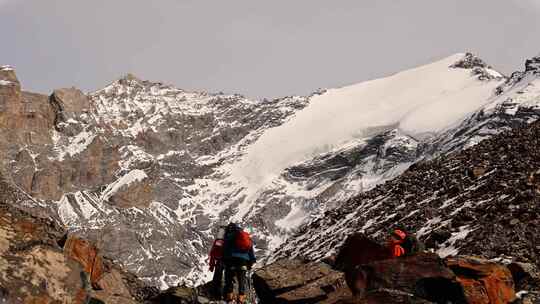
358, 249
424, 276
296, 281
483, 281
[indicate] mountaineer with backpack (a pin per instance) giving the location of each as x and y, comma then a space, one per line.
238, 258
402, 243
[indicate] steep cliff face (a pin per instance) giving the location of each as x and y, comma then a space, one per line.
25, 117
148, 171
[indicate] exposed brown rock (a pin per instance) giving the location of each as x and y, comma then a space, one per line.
483, 281
87, 255
422, 278
46, 182
25, 118
32, 265
38, 118
23, 170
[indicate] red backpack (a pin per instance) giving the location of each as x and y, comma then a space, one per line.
243, 241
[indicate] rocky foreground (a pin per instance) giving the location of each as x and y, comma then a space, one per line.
364, 273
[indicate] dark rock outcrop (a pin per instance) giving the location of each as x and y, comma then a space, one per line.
358, 249
421, 278
296, 281
477, 66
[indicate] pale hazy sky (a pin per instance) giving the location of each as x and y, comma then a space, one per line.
258, 48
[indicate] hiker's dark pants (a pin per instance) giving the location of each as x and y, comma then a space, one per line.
217, 280
235, 271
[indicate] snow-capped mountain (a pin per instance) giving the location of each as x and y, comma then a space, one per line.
149, 171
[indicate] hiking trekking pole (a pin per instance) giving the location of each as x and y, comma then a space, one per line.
252, 299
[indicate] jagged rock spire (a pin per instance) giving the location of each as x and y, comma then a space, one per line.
470, 61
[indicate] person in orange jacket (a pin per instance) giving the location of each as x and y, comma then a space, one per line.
395, 242
402, 243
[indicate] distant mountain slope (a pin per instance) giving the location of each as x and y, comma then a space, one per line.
483, 201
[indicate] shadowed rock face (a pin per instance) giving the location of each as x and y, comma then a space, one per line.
25, 118
375, 278
359, 249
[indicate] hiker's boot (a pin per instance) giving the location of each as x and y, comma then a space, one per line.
229, 298
242, 299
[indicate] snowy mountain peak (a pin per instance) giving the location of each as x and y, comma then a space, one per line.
420, 101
